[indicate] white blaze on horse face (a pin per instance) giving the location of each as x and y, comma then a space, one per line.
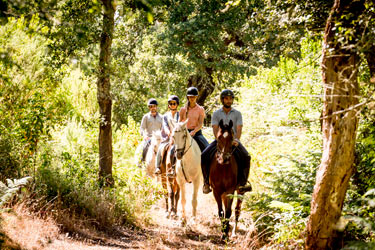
225, 135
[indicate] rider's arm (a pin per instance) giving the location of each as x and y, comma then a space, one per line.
200, 122
165, 125
215, 129
182, 114
144, 127
239, 132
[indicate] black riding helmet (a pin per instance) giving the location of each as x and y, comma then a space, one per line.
192, 91
174, 98
226, 92
152, 101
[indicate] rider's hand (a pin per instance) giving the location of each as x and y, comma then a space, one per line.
192, 133
235, 142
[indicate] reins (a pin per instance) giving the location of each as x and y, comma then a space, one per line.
223, 153
183, 149
184, 152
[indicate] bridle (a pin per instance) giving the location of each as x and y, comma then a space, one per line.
225, 155
182, 150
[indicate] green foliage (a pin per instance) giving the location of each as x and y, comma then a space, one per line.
142, 71
68, 174
282, 132
30, 103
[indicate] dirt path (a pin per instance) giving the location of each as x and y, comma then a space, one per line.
203, 233
164, 233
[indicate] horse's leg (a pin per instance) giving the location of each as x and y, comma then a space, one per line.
183, 202
194, 200
237, 213
164, 184
177, 196
228, 212
219, 205
170, 196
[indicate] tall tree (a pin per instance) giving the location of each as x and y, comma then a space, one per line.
104, 95
341, 57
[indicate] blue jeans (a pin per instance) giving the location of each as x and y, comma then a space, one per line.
240, 154
199, 138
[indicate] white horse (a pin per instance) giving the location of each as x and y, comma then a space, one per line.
151, 153
188, 165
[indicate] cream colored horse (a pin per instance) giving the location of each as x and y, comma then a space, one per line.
151, 153
188, 165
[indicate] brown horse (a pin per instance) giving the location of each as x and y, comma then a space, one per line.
171, 183
223, 177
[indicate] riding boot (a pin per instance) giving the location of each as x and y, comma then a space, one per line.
206, 184
172, 169
243, 169
157, 169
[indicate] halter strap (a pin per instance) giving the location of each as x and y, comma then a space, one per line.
183, 149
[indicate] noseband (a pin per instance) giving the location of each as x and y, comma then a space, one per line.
182, 150
225, 155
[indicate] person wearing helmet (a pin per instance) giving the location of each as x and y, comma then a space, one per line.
151, 122
166, 130
227, 113
195, 114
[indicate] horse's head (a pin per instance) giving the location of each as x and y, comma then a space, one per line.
179, 135
155, 141
225, 138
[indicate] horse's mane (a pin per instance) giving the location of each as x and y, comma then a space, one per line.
156, 137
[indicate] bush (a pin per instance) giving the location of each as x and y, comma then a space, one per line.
68, 177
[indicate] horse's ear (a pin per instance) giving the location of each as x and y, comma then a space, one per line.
221, 124
230, 124
185, 122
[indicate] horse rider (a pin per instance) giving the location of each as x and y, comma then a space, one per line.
195, 113
227, 113
151, 122
166, 131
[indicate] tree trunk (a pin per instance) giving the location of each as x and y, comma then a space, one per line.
104, 96
370, 57
341, 89
205, 85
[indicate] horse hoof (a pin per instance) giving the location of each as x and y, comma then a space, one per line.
183, 222
224, 237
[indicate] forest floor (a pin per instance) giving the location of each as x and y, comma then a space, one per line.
24, 231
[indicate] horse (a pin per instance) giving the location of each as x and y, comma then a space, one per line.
172, 186
169, 183
151, 153
188, 165
223, 177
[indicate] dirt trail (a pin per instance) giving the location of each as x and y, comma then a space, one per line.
31, 233
203, 233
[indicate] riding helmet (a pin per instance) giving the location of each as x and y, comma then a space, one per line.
192, 91
174, 98
226, 92
152, 101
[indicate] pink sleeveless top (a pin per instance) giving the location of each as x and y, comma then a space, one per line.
193, 115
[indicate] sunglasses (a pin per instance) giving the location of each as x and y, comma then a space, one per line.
152, 106
172, 103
